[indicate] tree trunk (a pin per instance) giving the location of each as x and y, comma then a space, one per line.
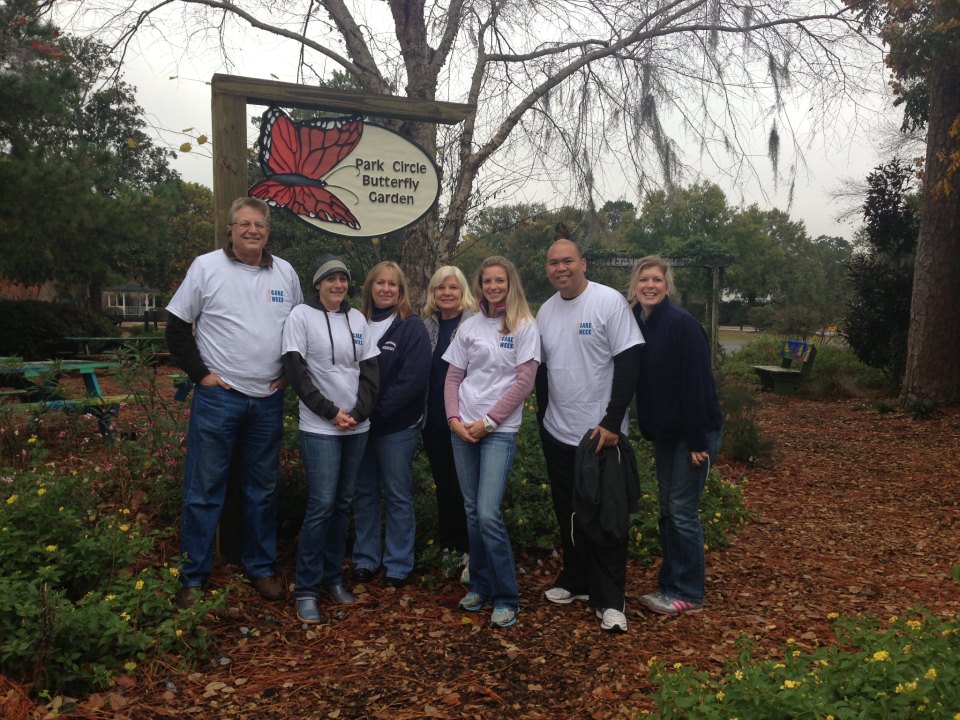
932, 367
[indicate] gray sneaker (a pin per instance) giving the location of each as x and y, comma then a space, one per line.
307, 611
503, 617
664, 604
472, 602
649, 598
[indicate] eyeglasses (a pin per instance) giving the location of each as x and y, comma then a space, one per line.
246, 225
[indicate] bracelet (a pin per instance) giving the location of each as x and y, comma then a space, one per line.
451, 419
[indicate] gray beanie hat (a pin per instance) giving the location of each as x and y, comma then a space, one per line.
329, 264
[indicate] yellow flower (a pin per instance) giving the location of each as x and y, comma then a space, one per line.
32, 440
124, 527
41, 491
833, 616
174, 571
738, 674
125, 511
778, 665
651, 661
881, 656
110, 598
11, 500
720, 696
795, 653
914, 624
791, 684
930, 674
892, 619
790, 641
60, 509
179, 632
51, 548
139, 585
677, 666
130, 666
125, 616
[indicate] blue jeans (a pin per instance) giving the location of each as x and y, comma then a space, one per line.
680, 486
331, 463
219, 419
386, 465
483, 469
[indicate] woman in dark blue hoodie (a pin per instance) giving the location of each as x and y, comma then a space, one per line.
394, 428
677, 409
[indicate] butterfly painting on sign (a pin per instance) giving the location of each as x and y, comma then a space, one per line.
343, 175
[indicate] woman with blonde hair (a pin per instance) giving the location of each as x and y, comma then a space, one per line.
493, 363
449, 302
678, 410
386, 467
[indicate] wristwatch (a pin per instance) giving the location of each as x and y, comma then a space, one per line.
488, 424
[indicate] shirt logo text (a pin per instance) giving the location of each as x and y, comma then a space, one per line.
586, 328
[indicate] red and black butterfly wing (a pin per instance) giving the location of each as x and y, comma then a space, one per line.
311, 148
309, 200
308, 149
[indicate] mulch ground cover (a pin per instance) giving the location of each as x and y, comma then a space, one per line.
857, 514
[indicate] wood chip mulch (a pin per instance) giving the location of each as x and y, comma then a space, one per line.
857, 513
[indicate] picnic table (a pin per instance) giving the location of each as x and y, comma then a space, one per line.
34, 385
92, 347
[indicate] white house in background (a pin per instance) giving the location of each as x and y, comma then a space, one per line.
128, 301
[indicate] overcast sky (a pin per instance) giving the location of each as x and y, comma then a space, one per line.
843, 155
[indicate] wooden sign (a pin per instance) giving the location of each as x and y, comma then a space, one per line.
343, 175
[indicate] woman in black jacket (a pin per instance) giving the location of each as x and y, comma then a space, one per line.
677, 409
394, 426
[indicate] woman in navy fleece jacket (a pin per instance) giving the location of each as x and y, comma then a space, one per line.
394, 428
677, 409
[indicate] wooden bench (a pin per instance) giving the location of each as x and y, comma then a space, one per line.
796, 362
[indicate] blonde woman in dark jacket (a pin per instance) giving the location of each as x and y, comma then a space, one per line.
449, 302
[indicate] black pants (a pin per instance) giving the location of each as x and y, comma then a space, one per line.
588, 569
451, 517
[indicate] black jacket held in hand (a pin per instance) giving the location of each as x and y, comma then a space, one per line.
606, 489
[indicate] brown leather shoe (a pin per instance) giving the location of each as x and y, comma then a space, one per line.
187, 597
270, 587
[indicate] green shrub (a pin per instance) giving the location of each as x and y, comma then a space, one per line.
838, 373
35, 330
742, 437
903, 668
82, 598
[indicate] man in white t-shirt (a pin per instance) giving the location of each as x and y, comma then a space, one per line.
224, 331
590, 345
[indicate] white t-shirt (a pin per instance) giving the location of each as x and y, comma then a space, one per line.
306, 333
379, 327
490, 361
580, 338
239, 311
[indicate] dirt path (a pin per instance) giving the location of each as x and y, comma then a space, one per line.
860, 513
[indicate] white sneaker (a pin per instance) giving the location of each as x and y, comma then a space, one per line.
612, 620
562, 596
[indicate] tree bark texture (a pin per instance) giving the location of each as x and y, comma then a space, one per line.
933, 367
